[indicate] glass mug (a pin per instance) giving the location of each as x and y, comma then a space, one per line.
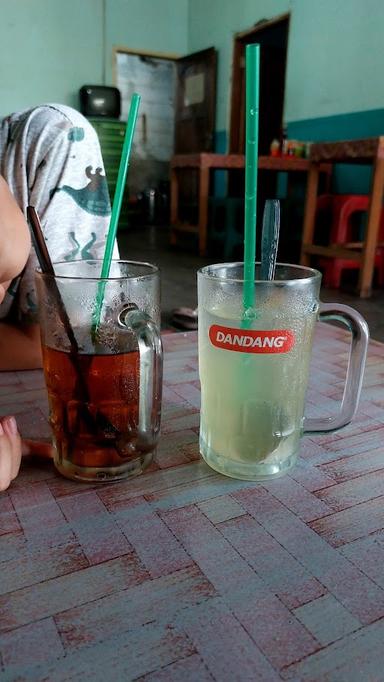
254, 371
103, 379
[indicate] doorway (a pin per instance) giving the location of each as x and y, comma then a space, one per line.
154, 77
272, 36
176, 115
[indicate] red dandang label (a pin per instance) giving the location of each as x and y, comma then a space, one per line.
251, 341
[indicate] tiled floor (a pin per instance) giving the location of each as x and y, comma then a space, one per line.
178, 275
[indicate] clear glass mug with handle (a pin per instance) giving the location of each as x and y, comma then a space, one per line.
254, 371
104, 380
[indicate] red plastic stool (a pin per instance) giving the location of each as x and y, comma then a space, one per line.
341, 207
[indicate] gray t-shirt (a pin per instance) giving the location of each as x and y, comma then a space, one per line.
51, 159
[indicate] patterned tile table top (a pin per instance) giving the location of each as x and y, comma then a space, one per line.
183, 574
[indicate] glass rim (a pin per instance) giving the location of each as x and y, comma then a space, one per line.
312, 275
152, 270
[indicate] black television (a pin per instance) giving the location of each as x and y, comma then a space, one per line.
100, 100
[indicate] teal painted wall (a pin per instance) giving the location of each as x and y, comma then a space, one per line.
149, 25
335, 58
347, 178
335, 52
50, 48
214, 23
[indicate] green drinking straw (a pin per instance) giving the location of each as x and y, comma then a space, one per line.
252, 64
117, 200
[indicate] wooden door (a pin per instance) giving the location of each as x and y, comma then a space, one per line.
272, 82
273, 38
195, 110
195, 102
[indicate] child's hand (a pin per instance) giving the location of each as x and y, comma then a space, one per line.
2, 293
12, 448
10, 451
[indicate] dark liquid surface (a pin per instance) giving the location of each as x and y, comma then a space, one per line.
95, 418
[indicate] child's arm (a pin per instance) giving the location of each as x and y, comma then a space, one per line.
15, 242
19, 345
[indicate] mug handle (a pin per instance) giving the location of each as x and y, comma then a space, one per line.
151, 371
355, 371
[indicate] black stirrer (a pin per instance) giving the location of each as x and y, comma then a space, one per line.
47, 268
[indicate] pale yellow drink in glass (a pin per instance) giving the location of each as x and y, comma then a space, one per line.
252, 403
254, 366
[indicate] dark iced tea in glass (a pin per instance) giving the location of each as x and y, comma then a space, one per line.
99, 429
104, 395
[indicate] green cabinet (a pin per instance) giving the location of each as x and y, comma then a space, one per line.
111, 137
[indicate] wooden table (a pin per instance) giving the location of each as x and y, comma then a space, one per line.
204, 163
367, 151
183, 574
